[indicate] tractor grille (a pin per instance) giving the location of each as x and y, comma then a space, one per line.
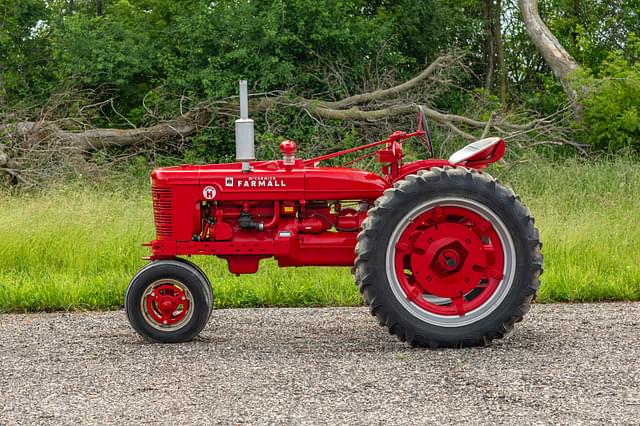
162, 212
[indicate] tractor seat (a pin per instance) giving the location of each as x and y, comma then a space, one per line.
475, 150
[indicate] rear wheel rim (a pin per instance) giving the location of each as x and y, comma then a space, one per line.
450, 261
167, 305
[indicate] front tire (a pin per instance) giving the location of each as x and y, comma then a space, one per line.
448, 257
169, 301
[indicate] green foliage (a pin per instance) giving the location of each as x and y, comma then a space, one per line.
200, 49
612, 104
275, 45
591, 29
23, 50
156, 58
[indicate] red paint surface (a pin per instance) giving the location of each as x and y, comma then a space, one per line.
449, 252
295, 211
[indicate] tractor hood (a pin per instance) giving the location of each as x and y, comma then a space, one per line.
272, 180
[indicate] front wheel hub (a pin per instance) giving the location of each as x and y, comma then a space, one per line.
167, 305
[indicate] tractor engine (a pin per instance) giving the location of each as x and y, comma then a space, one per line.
290, 209
220, 221
204, 219
299, 214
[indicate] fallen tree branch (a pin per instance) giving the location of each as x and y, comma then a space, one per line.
91, 139
377, 95
190, 122
68, 139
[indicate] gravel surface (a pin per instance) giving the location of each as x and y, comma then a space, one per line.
565, 364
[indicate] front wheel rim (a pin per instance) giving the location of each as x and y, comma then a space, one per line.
450, 261
167, 305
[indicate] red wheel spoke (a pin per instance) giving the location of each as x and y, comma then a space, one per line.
490, 252
482, 227
414, 293
458, 302
495, 274
402, 247
448, 252
166, 315
479, 266
438, 215
415, 236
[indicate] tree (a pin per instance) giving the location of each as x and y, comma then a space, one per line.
555, 55
493, 47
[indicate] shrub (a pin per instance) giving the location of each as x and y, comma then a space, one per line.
612, 105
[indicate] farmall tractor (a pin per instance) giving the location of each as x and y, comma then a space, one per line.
442, 253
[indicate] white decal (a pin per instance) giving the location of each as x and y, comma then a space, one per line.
209, 193
228, 181
260, 182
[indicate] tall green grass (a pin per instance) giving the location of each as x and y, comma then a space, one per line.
589, 217
77, 249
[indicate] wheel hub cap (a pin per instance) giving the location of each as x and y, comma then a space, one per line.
166, 305
447, 265
449, 260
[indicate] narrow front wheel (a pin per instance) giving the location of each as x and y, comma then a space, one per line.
169, 301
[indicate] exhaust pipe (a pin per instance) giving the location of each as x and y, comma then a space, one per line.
245, 146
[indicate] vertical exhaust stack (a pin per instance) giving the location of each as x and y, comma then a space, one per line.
245, 146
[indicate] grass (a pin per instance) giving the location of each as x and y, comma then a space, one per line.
588, 215
78, 248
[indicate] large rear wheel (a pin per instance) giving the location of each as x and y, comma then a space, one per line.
448, 257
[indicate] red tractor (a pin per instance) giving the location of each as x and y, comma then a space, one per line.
443, 254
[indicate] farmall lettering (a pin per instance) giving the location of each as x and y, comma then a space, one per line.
261, 182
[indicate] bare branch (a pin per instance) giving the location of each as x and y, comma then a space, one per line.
363, 98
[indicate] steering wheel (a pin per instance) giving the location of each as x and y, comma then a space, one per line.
423, 125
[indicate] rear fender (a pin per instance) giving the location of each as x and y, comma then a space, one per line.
411, 168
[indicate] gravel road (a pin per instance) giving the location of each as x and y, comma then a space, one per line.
565, 364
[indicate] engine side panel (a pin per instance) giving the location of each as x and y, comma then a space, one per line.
198, 209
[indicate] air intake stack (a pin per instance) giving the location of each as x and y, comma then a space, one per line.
245, 146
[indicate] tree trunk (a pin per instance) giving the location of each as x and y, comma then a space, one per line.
502, 70
556, 57
99, 7
489, 51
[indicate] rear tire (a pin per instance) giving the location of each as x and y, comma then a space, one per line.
169, 301
448, 257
